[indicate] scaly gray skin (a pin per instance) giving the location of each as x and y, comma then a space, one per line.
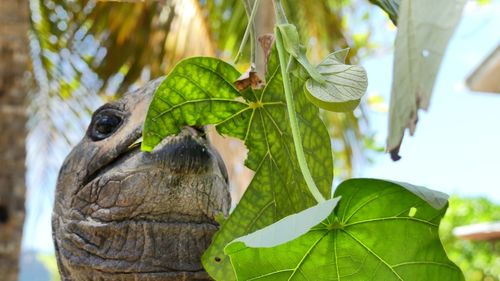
123, 214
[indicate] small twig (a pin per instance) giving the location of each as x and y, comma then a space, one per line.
280, 12
249, 31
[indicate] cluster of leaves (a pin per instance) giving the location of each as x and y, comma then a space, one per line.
378, 229
373, 227
200, 91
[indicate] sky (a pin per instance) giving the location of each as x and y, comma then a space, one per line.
456, 148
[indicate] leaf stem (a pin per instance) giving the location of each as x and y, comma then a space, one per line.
250, 30
280, 12
297, 139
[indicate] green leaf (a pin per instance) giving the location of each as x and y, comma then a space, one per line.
379, 231
198, 91
423, 34
291, 42
286, 229
436, 199
391, 7
344, 87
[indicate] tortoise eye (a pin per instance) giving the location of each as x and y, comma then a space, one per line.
104, 124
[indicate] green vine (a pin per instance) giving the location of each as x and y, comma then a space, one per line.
297, 139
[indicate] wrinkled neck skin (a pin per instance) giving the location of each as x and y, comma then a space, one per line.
124, 214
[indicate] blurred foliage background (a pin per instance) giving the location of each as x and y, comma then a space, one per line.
87, 52
479, 260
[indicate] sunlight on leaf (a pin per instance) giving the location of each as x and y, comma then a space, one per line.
378, 231
198, 91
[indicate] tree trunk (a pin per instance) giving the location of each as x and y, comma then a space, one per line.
14, 23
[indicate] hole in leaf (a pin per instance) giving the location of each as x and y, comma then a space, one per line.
4, 214
412, 212
425, 53
217, 259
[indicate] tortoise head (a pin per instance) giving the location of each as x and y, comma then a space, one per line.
124, 214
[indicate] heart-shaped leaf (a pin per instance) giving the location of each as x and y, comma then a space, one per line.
344, 86
379, 231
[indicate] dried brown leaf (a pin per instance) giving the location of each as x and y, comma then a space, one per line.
248, 79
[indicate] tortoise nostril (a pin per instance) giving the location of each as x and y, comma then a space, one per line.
184, 154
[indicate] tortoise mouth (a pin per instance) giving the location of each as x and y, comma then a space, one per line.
133, 149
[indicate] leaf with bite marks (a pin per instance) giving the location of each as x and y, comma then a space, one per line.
200, 91
197, 92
